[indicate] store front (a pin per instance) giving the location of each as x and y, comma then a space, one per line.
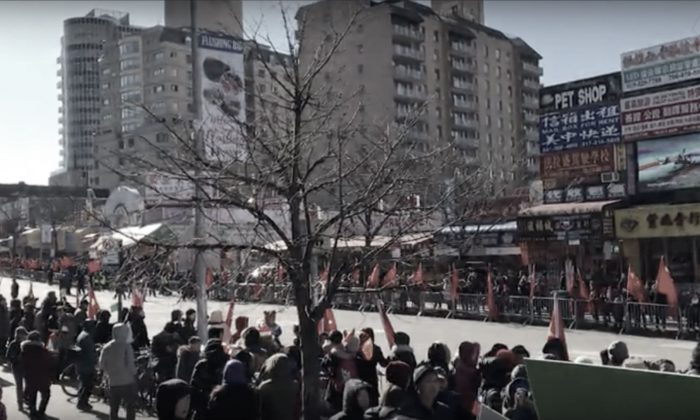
671, 231
583, 232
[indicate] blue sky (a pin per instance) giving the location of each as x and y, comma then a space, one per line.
576, 38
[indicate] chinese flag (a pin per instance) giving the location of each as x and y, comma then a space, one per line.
582, 287
556, 326
418, 275
94, 266
373, 279
31, 290
209, 278
454, 283
66, 262
93, 306
490, 297
389, 279
281, 272
386, 324
327, 324
323, 277
533, 281
665, 284
136, 297
570, 276
355, 276
634, 286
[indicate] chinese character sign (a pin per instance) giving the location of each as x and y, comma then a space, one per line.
661, 114
663, 64
588, 127
658, 221
585, 162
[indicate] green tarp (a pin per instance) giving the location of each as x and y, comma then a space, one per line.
573, 391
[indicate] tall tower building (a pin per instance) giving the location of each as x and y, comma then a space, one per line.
82, 46
224, 16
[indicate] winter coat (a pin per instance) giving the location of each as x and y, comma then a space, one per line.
207, 373
80, 318
186, 360
233, 402
466, 377
351, 409
15, 320
38, 365
4, 322
117, 358
87, 357
414, 410
103, 332
13, 355
404, 354
278, 392
167, 396
14, 290
367, 369
164, 348
188, 330
138, 332
68, 329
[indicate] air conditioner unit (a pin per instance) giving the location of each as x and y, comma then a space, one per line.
609, 177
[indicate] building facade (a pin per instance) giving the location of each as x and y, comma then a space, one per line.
477, 86
224, 16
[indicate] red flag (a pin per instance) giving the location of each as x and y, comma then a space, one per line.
490, 297
556, 327
418, 275
136, 297
281, 272
327, 324
94, 266
323, 276
386, 323
570, 276
665, 284
373, 280
355, 276
533, 281
582, 287
93, 306
389, 279
454, 283
66, 262
634, 286
31, 290
209, 278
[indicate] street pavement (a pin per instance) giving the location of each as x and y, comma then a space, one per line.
422, 330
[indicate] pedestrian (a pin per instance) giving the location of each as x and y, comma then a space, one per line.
117, 363
37, 367
234, 399
13, 357
173, 400
422, 404
278, 391
138, 328
16, 314
81, 314
207, 374
164, 352
187, 358
4, 326
188, 327
66, 335
466, 378
355, 401
341, 365
28, 315
85, 364
402, 350
14, 289
367, 360
176, 321
103, 329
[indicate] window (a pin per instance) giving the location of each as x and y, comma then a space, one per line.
486, 50
131, 97
130, 142
121, 144
173, 54
486, 68
159, 71
498, 88
129, 47
261, 88
158, 88
188, 59
497, 54
172, 72
129, 63
189, 92
488, 103
509, 75
261, 73
174, 107
105, 85
436, 36
162, 137
500, 105
498, 71
105, 101
437, 74
105, 72
130, 80
360, 68
158, 55
500, 123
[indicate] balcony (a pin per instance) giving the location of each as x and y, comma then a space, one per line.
465, 143
532, 68
408, 90
461, 48
407, 73
406, 32
531, 117
401, 51
462, 66
458, 122
531, 84
462, 84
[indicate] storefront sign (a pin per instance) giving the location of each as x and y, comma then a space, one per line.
561, 227
599, 192
592, 126
658, 221
661, 64
603, 89
669, 163
569, 164
661, 114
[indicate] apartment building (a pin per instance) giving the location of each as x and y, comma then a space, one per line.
480, 86
224, 16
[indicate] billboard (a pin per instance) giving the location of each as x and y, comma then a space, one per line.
662, 64
574, 163
221, 96
669, 163
580, 114
661, 114
578, 193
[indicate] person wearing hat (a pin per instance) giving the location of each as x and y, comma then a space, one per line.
215, 325
36, 362
173, 399
618, 353
355, 400
118, 365
517, 401
423, 404
234, 399
398, 374
402, 350
208, 373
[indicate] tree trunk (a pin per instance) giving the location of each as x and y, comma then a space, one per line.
310, 365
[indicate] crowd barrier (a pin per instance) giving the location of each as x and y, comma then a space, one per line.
622, 317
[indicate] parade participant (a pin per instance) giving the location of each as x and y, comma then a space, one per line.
268, 325
341, 365
173, 400
85, 364
355, 401
187, 358
367, 361
117, 363
13, 357
423, 404
278, 392
207, 373
139, 332
402, 350
234, 399
36, 365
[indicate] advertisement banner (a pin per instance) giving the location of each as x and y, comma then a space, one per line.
586, 162
662, 64
561, 227
161, 187
658, 221
605, 89
578, 193
596, 125
221, 97
669, 163
560, 388
661, 114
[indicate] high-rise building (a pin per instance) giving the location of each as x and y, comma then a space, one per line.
224, 16
82, 46
480, 86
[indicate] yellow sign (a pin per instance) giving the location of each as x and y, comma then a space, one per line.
659, 221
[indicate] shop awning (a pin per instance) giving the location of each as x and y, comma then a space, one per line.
484, 227
566, 208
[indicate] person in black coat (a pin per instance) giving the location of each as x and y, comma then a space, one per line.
235, 399
367, 368
13, 357
16, 314
422, 404
4, 325
355, 400
139, 332
187, 358
103, 329
208, 373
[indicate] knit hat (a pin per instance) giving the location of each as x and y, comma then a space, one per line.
234, 373
167, 396
216, 317
422, 371
398, 373
618, 351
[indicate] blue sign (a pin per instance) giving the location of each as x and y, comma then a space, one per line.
596, 125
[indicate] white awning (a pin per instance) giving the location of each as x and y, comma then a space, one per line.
566, 208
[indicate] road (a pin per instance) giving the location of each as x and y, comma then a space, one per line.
423, 332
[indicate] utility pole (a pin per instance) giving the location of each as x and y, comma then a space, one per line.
199, 233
